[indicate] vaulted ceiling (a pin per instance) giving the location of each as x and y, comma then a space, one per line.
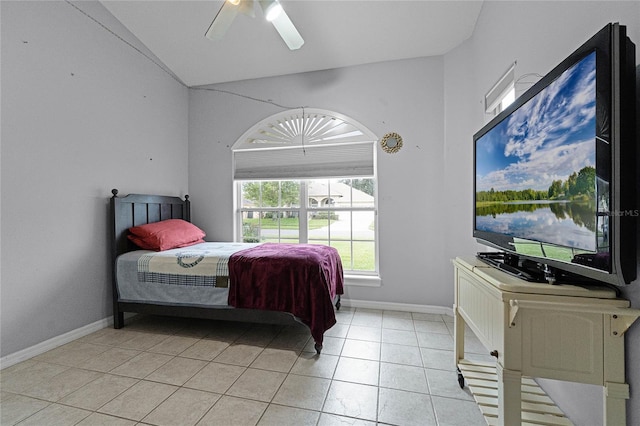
337, 33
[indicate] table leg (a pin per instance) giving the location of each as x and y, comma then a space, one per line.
509, 396
615, 399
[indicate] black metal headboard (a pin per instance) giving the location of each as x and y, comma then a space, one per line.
140, 209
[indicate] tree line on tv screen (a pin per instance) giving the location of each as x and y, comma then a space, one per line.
579, 186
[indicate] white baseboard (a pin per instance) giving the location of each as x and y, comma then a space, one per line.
47, 345
404, 307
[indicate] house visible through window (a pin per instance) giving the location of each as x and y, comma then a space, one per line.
337, 212
309, 177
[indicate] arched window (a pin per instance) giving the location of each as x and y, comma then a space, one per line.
315, 155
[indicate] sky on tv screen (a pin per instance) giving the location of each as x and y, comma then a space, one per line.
549, 137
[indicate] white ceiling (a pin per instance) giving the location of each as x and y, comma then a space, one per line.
337, 33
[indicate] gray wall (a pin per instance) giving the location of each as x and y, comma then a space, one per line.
538, 35
406, 97
81, 113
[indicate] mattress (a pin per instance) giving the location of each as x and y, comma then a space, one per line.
145, 276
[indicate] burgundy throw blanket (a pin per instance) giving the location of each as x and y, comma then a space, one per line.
302, 279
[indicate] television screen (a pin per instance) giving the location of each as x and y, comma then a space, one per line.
536, 170
555, 174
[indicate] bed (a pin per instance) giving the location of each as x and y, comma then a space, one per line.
249, 282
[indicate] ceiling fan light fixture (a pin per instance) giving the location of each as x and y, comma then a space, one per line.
272, 9
234, 2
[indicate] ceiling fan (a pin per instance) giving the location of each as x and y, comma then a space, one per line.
273, 12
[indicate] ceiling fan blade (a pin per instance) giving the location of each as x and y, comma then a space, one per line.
222, 21
288, 31
247, 7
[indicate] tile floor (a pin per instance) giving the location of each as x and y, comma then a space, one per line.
377, 367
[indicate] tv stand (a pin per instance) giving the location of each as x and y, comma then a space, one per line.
562, 332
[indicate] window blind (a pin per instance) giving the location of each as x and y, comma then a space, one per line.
497, 92
330, 161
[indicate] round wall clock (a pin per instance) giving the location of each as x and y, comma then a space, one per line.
391, 143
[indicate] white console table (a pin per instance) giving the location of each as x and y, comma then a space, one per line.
561, 332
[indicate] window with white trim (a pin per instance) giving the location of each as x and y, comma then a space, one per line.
502, 94
309, 177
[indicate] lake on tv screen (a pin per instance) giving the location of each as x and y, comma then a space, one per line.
535, 170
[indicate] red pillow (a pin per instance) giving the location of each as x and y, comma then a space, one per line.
166, 234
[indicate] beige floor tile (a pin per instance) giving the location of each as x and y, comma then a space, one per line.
338, 330
19, 380
400, 354
142, 341
56, 414
156, 324
173, 345
275, 360
108, 360
330, 345
142, 365
403, 377
367, 317
291, 338
445, 383
100, 391
205, 349
352, 400
435, 340
278, 415
18, 407
184, 408
196, 328
310, 364
239, 354
21, 366
260, 385
302, 392
397, 323
453, 412
177, 371
215, 377
139, 400
399, 337
234, 411
399, 407
72, 353
357, 371
426, 317
62, 384
108, 336
97, 419
335, 420
361, 349
259, 334
431, 327
396, 314
161, 371
361, 332
225, 331
345, 315
438, 358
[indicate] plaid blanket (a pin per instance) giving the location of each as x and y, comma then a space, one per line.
205, 264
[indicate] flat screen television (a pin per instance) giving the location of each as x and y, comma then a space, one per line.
555, 172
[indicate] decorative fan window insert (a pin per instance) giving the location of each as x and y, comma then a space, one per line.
309, 177
302, 145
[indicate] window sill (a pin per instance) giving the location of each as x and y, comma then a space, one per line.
363, 280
